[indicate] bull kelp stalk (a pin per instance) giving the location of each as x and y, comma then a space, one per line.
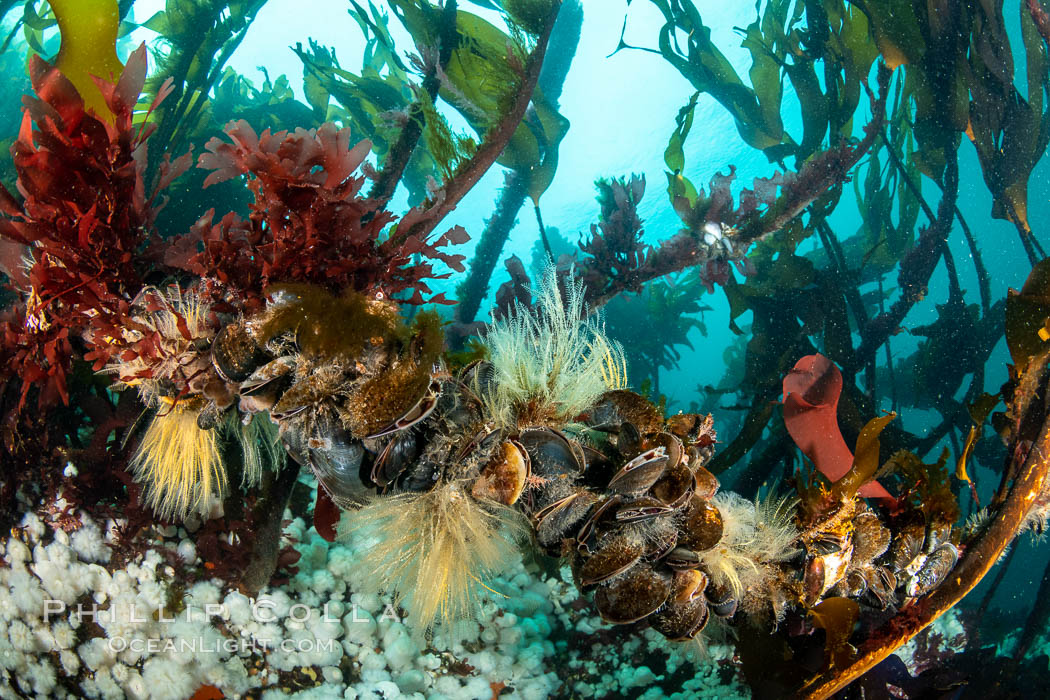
915, 269
980, 556
268, 514
202, 36
1037, 619
401, 151
471, 292
925, 129
420, 222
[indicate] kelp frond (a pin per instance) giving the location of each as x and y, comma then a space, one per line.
433, 551
178, 462
549, 363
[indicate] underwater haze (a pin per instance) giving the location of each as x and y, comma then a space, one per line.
524, 349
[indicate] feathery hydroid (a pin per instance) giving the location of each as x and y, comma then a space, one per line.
550, 362
178, 462
433, 550
756, 536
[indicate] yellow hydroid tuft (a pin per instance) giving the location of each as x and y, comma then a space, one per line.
433, 551
614, 369
178, 462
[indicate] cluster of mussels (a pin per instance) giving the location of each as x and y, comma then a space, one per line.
332, 392
626, 499
860, 557
622, 494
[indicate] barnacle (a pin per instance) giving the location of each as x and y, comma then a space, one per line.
549, 365
433, 550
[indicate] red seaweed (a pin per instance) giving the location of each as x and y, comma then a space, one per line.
811, 398
85, 217
308, 223
326, 515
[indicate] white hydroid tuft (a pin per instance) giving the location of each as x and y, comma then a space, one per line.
550, 362
433, 551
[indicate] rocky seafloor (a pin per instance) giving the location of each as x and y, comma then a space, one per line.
145, 631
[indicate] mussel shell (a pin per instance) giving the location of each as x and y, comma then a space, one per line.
824, 571
829, 543
235, 354
629, 440
596, 461
701, 527
503, 479
675, 487
482, 440
421, 475
870, 538
934, 570
725, 609
621, 406
589, 528
335, 458
680, 559
419, 412
641, 509
638, 593
613, 557
551, 453
399, 452
476, 377
882, 584
721, 601
662, 542
266, 379
636, 410
672, 445
813, 580
854, 584
641, 472
299, 398
706, 483
209, 417
560, 520
688, 585
907, 544
692, 427
686, 613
